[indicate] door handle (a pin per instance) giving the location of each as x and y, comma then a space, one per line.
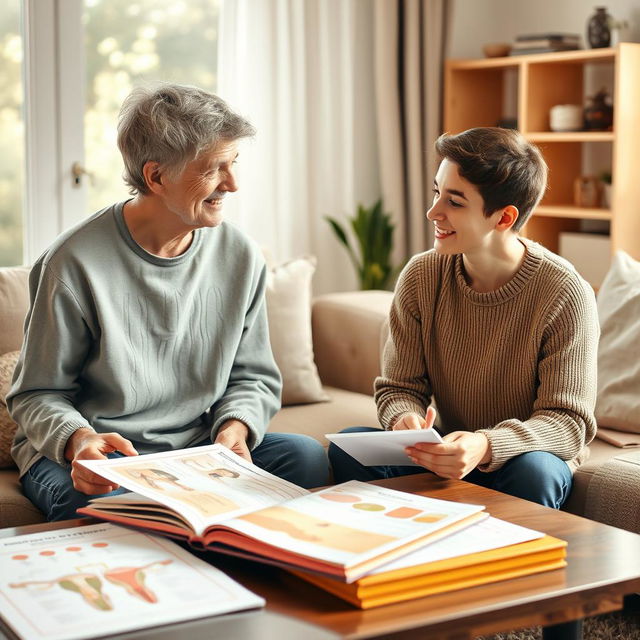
77, 171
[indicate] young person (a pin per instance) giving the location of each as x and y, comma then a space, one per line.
491, 332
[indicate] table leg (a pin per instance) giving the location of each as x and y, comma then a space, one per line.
567, 631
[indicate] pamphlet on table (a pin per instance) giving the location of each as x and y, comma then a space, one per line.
96, 580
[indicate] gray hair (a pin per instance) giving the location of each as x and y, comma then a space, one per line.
172, 124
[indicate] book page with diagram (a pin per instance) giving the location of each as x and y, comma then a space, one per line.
102, 579
203, 485
346, 524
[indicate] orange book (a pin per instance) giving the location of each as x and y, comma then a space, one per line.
216, 500
449, 574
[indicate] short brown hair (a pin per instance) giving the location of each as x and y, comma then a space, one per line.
506, 169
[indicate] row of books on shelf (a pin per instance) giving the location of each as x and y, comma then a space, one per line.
366, 544
545, 43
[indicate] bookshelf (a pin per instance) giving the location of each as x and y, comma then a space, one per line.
476, 95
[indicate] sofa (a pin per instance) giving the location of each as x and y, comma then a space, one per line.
343, 335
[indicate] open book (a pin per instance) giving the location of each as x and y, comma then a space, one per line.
214, 499
80, 582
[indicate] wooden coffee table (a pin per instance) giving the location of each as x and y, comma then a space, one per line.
603, 566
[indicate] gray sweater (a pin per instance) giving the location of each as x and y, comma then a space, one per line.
517, 364
159, 350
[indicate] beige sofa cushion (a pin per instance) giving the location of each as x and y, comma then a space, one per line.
344, 409
618, 403
14, 304
289, 311
347, 331
599, 453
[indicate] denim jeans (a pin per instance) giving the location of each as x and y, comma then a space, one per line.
293, 457
537, 476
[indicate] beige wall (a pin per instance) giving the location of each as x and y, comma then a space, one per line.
476, 22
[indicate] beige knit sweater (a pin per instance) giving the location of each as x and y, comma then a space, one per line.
517, 364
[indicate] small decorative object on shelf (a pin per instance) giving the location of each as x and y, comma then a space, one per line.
598, 114
605, 178
496, 49
598, 29
587, 192
545, 43
566, 117
507, 122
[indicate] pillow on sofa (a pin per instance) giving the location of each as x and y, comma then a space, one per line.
7, 425
14, 303
289, 311
618, 403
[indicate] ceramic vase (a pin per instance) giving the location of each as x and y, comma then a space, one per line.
598, 31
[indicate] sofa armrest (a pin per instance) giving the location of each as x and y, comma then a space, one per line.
349, 330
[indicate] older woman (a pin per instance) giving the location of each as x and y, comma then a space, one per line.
147, 328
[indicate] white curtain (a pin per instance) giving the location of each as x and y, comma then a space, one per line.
302, 72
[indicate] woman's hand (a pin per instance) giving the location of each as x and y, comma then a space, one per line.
86, 444
233, 435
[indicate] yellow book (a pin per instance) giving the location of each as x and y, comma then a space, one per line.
456, 569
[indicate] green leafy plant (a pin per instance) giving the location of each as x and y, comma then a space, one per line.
373, 232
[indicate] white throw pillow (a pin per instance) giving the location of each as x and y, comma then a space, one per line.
289, 312
618, 404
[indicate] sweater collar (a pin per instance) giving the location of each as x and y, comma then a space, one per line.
528, 268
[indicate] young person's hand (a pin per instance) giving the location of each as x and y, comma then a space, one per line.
86, 444
460, 453
414, 421
233, 435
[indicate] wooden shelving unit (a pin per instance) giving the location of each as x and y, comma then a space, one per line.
475, 96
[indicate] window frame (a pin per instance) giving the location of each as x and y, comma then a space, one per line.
53, 75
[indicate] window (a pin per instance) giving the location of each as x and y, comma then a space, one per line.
12, 143
81, 58
134, 42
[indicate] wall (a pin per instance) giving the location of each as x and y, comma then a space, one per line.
476, 22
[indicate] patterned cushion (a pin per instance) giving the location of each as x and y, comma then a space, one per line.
7, 425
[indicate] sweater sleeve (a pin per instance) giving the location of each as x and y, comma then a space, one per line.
563, 420
253, 391
56, 343
404, 385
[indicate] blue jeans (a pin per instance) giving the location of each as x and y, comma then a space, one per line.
293, 457
537, 476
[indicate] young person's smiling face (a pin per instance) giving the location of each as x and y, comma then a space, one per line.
457, 213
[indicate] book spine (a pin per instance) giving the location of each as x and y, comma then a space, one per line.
529, 44
563, 37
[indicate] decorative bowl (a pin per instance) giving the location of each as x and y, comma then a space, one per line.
496, 49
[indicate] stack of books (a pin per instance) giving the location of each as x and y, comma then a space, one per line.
368, 545
545, 43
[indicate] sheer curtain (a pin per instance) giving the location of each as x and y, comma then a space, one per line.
302, 72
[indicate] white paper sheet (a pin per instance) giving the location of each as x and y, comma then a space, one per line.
382, 447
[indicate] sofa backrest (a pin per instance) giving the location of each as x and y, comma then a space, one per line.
14, 304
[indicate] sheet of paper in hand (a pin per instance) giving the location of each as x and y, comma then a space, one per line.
382, 447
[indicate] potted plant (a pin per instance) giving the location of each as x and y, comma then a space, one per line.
373, 232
